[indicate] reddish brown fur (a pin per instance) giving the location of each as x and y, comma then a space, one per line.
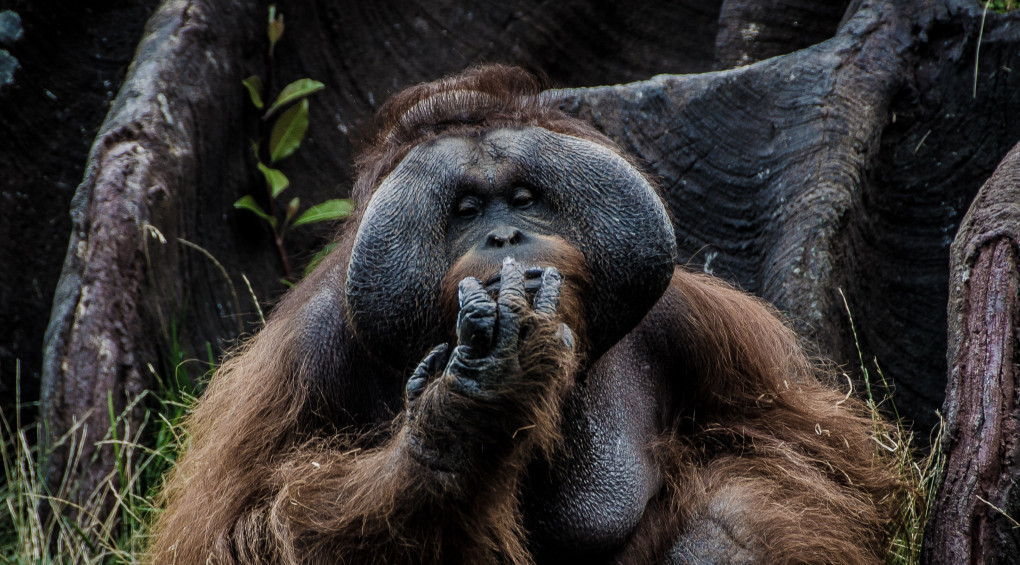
748, 422
760, 427
243, 495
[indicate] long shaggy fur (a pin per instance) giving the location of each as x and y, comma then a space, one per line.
761, 442
755, 442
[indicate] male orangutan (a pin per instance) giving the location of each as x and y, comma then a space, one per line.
502, 363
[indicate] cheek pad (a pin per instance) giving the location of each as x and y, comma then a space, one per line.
397, 264
613, 215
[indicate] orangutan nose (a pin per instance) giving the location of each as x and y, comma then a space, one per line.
503, 236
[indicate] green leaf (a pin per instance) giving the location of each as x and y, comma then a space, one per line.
288, 131
287, 283
278, 182
254, 86
329, 210
295, 91
248, 203
318, 258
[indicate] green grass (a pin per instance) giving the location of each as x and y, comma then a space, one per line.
40, 526
919, 468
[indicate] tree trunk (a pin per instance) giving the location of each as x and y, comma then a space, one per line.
845, 166
71, 60
125, 277
974, 517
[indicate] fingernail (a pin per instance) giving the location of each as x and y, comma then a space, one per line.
551, 273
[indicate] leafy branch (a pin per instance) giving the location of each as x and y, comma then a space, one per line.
288, 115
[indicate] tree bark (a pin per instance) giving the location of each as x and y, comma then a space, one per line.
975, 511
124, 277
840, 157
71, 61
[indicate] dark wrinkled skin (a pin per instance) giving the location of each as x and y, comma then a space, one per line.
588, 195
485, 360
585, 503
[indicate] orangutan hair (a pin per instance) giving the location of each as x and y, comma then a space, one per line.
581, 397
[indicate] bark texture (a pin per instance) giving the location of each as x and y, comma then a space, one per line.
841, 155
122, 280
843, 166
974, 518
71, 60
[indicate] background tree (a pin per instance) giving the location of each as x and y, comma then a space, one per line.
834, 146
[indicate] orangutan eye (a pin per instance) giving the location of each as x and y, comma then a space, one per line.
522, 198
469, 207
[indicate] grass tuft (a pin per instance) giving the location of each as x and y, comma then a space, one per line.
919, 470
40, 526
